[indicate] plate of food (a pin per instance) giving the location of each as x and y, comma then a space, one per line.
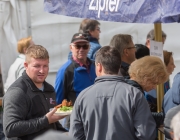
65, 108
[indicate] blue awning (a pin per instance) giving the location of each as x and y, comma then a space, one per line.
131, 11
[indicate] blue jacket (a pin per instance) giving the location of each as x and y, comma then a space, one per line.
94, 46
71, 79
172, 97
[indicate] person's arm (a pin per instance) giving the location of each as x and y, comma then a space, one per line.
144, 124
159, 118
76, 124
60, 87
16, 106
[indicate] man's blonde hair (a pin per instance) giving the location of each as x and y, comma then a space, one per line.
37, 52
23, 43
148, 68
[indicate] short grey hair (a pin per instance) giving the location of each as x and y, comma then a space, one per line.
151, 35
121, 42
175, 126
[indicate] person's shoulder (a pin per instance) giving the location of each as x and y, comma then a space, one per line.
17, 89
85, 93
65, 66
19, 84
173, 111
95, 45
131, 91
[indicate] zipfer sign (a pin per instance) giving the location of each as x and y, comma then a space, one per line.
108, 5
132, 11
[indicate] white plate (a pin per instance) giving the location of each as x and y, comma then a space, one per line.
63, 113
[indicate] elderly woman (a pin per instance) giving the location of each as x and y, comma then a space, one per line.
148, 72
145, 74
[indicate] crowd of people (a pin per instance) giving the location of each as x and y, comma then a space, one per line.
112, 89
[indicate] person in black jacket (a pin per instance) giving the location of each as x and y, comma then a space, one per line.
125, 45
141, 77
28, 100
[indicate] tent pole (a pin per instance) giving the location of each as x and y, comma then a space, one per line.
28, 17
160, 87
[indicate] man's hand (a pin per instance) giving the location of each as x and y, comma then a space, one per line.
53, 117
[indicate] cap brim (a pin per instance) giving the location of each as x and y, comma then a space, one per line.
77, 41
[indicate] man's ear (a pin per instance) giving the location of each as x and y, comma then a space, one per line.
70, 46
125, 52
25, 64
148, 43
90, 32
99, 67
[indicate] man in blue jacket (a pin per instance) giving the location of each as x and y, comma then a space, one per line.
77, 73
92, 29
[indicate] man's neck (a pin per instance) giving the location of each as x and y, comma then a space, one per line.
125, 61
39, 85
81, 61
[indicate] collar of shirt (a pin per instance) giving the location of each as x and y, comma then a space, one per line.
124, 64
81, 64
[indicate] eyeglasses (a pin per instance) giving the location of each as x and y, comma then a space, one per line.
78, 46
98, 29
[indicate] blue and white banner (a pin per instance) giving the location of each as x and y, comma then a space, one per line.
131, 11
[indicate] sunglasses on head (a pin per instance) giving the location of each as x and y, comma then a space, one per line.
78, 46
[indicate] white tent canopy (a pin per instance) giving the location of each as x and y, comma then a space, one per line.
22, 18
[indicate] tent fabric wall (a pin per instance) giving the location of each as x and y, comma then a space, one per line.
54, 32
13, 27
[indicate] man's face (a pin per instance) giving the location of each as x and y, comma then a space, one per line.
163, 40
131, 52
80, 50
37, 70
150, 85
148, 42
96, 32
